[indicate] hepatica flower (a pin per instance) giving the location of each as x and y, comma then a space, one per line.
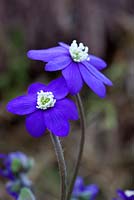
14, 163
125, 195
80, 191
46, 108
15, 167
17, 162
13, 188
77, 66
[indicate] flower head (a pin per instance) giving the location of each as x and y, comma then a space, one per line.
14, 167
45, 100
78, 52
77, 66
88, 192
15, 163
125, 195
13, 188
46, 108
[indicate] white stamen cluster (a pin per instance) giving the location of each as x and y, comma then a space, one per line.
129, 193
78, 52
45, 100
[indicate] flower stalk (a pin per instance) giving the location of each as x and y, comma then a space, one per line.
62, 165
81, 146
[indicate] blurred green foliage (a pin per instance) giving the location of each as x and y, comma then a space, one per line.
95, 106
15, 78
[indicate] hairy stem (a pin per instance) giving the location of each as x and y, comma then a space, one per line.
61, 163
81, 146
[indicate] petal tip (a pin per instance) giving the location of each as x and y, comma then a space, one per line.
8, 107
32, 54
108, 82
29, 53
111, 83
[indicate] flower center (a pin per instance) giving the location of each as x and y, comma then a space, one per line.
78, 52
45, 100
129, 193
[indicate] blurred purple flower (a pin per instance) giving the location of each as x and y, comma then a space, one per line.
3, 169
80, 190
77, 66
13, 188
46, 107
125, 195
14, 163
2, 156
15, 166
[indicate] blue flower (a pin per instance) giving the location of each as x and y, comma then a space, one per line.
14, 163
46, 108
125, 195
80, 190
13, 188
77, 66
3, 169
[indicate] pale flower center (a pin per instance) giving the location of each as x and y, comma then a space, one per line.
45, 100
129, 193
78, 52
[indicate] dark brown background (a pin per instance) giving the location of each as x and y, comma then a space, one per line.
107, 27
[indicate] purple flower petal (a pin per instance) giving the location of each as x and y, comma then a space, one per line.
97, 62
58, 87
92, 189
96, 85
13, 188
64, 45
73, 78
56, 122
47, 55
2, 156
22, 105
58, 63
2, 173
97, 74
35, 124
122, 195
68, 108
78, 187
35, 87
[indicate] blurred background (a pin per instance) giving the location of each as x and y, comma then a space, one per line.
107, 28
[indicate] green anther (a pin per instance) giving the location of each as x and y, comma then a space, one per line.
76, 54
44, 100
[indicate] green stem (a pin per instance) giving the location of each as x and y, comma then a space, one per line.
61, 163
82, 139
